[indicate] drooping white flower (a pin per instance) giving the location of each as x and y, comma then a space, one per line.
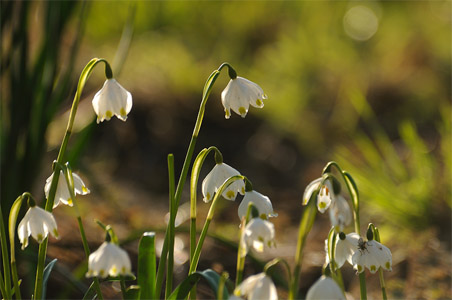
372, 255
62, 193
239, 94
259, 234
37, 222
261, 202
213, 181
325, 196
257, 287
325, 288
340, 212
109, 259
345, 248
111, 100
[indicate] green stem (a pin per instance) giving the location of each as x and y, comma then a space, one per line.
241, 258
209, 218
2, 287
6, 284
306, 223
123, 287
191, 147
173, 214
53, 186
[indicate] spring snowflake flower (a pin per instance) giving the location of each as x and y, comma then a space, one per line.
62, 194
111, 100
37, 222
325, 288
213, 181
325, 196
261, 202
259, 234
257, 287
346, 246
109, 259
239, 94
340, 212
372, 255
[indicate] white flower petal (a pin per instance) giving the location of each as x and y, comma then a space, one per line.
213, 181
111, 100
325, 288
38, 223
258, 287
312, 186
259, 234
261, 202
62, 194
108, 259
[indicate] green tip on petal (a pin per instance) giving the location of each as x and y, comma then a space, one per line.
258, 102
388, 265
322, 205
123, 112
84, 189
109, 114
360, 268
40, 238
70, 202
373, 268
55, 233
242, 111
230, 194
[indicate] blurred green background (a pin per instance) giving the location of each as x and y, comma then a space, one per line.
367, 84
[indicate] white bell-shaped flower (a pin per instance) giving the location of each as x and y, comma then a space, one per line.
239, 94
37, 222
109, 259
259, 234
111, 100
345, 248
372, 255
62, 194
215, 179
257, 287
325, 288
325, 196
340, 212
261, 202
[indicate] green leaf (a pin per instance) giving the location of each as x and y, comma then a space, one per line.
14, 212
212, 278
133, 292
147, 266
90, 293
45, 279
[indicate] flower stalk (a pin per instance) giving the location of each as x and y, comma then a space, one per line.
240, 250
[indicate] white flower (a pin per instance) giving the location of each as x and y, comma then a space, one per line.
259, 234
340, 213
109, 259
111, 100
239, 94
372, 255
213, 181
345, 249
261, 202
62, 193
257, 287
38, 223
325, 196
325, 288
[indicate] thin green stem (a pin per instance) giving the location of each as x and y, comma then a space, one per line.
209, 218
123, 287
6, 284
173, 214
240, 255
53, 186
180, 185
2, 287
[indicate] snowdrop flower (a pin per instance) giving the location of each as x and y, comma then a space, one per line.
257, 287
62, 194
109, 259
213, 181
37, 222
261, 202
239, 94
346, 246
325, 288
111, 100
325, 196
259, 234
340, 213
372, 255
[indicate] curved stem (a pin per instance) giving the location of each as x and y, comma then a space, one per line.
53, 186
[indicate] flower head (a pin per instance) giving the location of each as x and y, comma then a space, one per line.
111, 100
372, 255
37, 222
213, 181
325, 196
325, 288
62, 193
345, 248
257, 287
261, 202
239, 94
109, 259
340, 213
259, 234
